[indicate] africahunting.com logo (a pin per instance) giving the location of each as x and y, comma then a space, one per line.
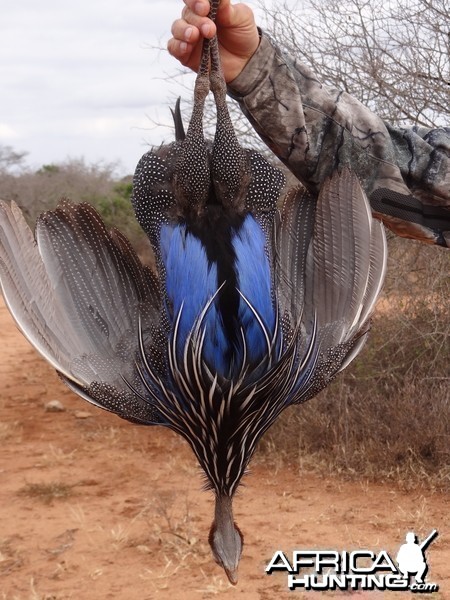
359, 569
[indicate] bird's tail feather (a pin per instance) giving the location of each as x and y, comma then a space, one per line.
180, 134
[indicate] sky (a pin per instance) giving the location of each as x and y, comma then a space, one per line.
89, 78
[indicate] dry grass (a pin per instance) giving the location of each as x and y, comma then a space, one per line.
35, 594
388, 415
10, 557
46, 492
11, 430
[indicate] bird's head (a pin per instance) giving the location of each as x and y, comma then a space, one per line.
225, 538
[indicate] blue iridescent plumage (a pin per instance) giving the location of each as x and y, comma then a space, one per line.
192, 280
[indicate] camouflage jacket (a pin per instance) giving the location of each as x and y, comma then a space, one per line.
313, 129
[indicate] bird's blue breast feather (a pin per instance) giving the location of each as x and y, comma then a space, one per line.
255, 283
192, 280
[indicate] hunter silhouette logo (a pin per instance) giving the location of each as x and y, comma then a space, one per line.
411, 556
359, 569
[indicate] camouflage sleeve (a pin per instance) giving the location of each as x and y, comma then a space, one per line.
313, 129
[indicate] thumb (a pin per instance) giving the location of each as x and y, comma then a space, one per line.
230, 15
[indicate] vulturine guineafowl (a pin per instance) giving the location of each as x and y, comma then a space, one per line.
252, 308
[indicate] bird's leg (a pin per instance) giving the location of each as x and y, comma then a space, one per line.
202, 83
192, 172
230, 170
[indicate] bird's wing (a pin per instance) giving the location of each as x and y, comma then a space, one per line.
80, 296
27, 290
343, 265
293, 237
348, 261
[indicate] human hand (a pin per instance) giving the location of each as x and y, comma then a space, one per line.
237, 35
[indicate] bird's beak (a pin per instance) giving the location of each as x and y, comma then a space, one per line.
232, 575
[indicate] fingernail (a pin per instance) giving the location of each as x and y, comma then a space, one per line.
183, 47
205, 29
188, 33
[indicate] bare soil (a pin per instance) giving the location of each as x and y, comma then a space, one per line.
94, 508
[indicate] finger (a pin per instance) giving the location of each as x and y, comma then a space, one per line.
206, 27
199, 7
234, 15
185, 32
180, 50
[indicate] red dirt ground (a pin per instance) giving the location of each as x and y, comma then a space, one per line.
126, 518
